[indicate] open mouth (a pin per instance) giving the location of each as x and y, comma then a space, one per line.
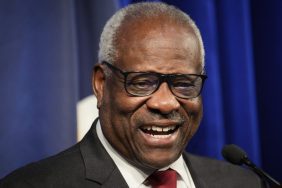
157, 130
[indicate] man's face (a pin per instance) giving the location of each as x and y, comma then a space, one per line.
125, 119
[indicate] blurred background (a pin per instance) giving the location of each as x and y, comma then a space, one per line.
48, 49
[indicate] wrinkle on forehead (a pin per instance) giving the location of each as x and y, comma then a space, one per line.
183, 44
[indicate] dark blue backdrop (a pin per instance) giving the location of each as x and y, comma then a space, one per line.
47, 50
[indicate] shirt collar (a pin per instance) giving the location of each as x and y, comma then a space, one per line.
133, 176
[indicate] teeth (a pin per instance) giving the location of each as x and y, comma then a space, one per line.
161, 136
159, 129
147, 128
166, 129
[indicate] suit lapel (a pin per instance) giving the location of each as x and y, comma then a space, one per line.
199, 183
99, 167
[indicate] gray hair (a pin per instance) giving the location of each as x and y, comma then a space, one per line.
107, 46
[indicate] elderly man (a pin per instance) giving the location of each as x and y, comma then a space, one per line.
147, 83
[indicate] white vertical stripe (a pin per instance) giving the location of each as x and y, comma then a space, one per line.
86, 113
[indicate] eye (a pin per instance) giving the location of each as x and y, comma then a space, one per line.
183, 84
137, 81
142, 83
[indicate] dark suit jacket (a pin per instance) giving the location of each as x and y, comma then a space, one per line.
87, 164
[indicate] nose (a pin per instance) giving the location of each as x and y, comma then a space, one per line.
163, 100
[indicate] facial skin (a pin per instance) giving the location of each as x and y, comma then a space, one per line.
149, 46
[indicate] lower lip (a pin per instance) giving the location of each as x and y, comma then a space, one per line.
160, 141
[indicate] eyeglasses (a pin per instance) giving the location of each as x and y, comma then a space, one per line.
142, 84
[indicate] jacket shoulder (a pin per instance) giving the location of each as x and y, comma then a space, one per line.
216, 173
59, 168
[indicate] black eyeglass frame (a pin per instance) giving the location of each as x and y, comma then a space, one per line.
162, 78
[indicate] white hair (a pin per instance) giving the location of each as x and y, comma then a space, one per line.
137, 11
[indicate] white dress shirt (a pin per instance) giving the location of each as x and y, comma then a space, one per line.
135, 177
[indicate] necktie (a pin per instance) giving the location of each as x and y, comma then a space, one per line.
163, 179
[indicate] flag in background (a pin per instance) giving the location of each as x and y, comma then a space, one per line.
48, 49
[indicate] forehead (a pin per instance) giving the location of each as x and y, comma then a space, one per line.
158, 45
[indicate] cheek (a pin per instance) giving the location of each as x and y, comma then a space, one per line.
120, 107
194, 107
123, 103
115, 114
194, 110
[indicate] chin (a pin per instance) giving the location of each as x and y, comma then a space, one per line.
159, 162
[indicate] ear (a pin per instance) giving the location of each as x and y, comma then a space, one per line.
98, 81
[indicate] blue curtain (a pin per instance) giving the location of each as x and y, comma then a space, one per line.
267, 44
38, 80
47, 50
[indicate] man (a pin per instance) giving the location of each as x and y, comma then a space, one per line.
147, 83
